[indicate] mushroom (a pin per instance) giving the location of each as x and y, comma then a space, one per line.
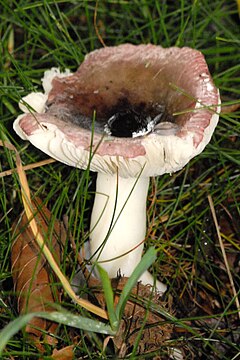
129, 112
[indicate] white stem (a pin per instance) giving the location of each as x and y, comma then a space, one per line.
124, 217
118, 224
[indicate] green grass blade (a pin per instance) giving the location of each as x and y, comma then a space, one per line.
109, 297
12, 328
64, 318
77, 321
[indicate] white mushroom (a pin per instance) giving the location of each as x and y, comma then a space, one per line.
136, 92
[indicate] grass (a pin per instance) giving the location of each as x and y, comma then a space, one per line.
38, 35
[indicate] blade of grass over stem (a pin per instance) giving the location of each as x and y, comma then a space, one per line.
116, 314
147, 260
113, 220
109, 298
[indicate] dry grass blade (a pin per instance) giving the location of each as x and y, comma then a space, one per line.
224, 254
26, 198
27, 167
96, 26
238, 4
31, 273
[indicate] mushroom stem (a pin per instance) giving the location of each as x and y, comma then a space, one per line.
118, 225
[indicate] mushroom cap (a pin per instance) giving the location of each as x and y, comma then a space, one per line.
145, 78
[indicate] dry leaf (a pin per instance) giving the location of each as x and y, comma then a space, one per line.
33, 279
65, 353
227, 109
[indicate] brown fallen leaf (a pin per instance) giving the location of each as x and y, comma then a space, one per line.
32, 276
227, 109
65, 353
